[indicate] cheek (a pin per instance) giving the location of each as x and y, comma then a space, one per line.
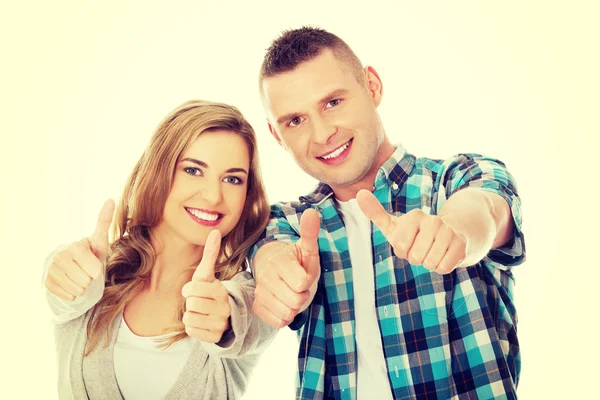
237, 200
298, 142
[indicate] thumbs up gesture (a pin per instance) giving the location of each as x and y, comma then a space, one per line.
206, 299
72, 269
287, 280
420, 238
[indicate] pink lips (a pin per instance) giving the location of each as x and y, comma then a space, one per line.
203, 221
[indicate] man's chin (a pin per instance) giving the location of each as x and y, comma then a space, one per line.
345, 181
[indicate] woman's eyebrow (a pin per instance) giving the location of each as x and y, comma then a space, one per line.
205, 165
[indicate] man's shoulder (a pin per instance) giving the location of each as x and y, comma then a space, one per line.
438, 165
289, 208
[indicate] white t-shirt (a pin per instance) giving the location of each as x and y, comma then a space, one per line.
372, 379
145, 371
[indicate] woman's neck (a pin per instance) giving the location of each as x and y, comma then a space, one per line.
175, 263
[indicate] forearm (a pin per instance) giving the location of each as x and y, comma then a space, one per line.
482, 218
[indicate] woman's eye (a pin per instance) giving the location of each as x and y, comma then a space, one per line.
192, 171
234, 180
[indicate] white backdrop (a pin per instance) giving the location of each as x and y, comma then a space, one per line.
83, 84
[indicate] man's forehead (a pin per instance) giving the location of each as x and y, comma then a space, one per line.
306, 84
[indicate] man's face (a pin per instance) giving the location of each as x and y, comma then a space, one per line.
326, 119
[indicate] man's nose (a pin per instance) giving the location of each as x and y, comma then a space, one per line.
323, 130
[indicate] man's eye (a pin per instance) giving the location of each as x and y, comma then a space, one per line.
295, 121
333, 103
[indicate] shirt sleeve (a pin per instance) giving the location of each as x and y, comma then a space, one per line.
65, 311
248, 333
284, 226
489, 174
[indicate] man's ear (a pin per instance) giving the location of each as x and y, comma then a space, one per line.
275, 135
374, 84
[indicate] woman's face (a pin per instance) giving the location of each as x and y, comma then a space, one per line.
209, 187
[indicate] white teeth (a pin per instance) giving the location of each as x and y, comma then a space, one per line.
203, 215
337, 152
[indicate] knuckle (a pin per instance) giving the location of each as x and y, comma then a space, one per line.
48, 283
280, 323
443, 269
255, 308
414, 257
78, 291
428, 264
415, 214
68, 297
214, 337
59, 259
398, 251
298, 302
223, 325
290, 314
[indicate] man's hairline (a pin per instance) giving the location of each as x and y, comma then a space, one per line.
347, 64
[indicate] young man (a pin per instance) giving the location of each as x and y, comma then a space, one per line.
400, 283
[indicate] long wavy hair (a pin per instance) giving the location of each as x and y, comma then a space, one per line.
131, 255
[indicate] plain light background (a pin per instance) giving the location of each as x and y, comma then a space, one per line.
83, 85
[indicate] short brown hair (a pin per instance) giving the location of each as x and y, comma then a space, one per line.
296, 46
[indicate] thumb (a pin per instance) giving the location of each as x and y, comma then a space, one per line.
373, 210
310, 224
99, 239
206, 269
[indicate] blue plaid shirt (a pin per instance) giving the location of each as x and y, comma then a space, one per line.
443, 336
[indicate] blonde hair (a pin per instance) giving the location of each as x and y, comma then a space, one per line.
132, 256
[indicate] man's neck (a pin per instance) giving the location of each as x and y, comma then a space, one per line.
368, 180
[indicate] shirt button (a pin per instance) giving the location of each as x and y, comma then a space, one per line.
395, 186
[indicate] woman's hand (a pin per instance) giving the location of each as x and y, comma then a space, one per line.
206, 299
72, 269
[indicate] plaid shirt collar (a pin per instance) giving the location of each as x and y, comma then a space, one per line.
394, 172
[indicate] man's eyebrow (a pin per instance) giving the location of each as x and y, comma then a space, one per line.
285, 118
333, 95
324, 99
205, 165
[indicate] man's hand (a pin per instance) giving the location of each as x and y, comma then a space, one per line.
206, 299
422, 239
286, 280
73, 269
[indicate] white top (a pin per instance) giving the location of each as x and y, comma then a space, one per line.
142, 369
372, 378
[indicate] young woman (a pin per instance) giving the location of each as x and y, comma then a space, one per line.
165, 311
